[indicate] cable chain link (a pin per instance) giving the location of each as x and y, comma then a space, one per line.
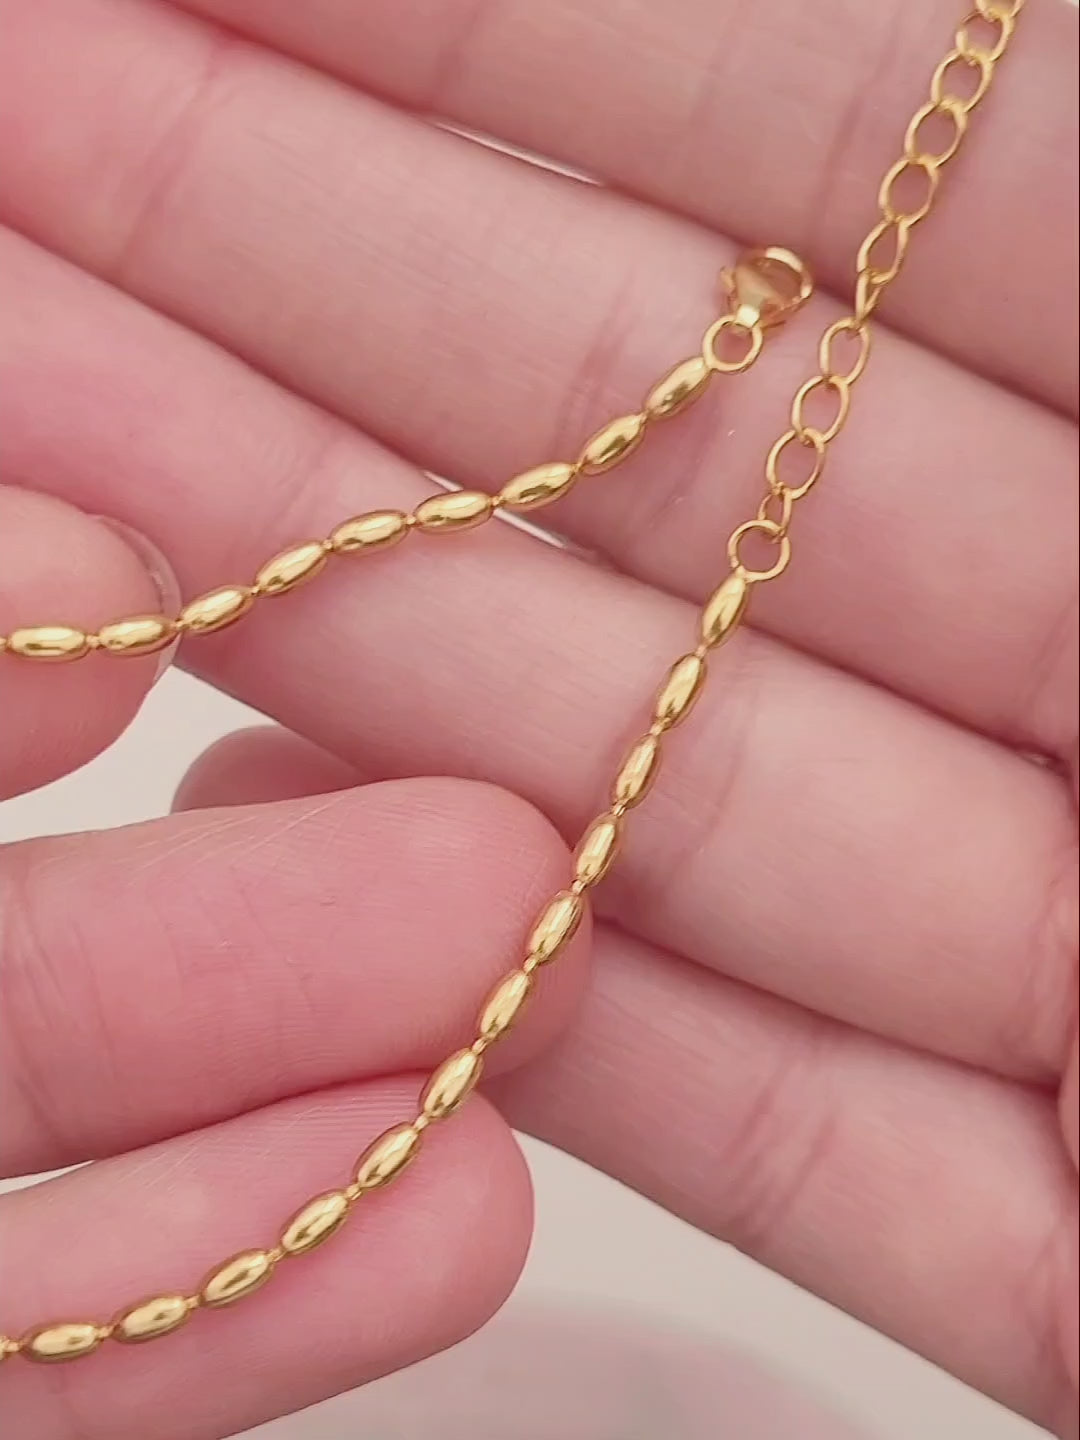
880, 259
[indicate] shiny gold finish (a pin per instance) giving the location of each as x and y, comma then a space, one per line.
554, 929
724, 609
377, 530
151, 1319
503, 1006
614, 443
678, 389
450, 1084
216, 609
49, 642
242, 1275
762, 290
386, 1157
637, 772
137, 635
765, 287
291, 568
51, 1344
679, 691
538, 486
597, 849
454, 510
315, 1223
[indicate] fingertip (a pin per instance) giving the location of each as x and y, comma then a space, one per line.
59, 566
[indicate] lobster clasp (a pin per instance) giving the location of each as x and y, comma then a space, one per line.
765, 287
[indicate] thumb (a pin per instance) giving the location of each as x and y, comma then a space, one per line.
61, 567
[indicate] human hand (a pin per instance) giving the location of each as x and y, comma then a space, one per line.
834, 977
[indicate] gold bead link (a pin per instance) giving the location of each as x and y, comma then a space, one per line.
451, 1083
446, 512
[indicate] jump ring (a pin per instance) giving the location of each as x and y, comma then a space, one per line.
756, 338
774, 533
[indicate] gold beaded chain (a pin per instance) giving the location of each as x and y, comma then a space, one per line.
880, 258
763, 289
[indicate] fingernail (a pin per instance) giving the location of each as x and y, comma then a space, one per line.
159, 571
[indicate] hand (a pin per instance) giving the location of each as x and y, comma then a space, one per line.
834, 978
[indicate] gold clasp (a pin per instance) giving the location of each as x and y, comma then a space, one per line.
766, 286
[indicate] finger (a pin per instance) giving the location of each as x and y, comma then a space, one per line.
928, 1200
259, 764
171, 974
684, 111
58, 567
411, 1272
577, 343
963, 942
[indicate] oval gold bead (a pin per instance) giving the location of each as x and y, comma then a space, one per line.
680, 690
638, 772
150, 1318
316, 1222
137, 634
8, 1347
242, 1275
49, 642
555, 927
679, 388
612, 444
503, 1005
596, 850
216, 609
377, 530
291, 568
68, 1341
450, 1084
386, 1157
456, 510
539, 486
725, 609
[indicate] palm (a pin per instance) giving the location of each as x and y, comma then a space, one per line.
833, 991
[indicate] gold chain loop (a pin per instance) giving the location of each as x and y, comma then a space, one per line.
832, 384
939, 82
758, 305
948, 107
808, 440
729, 326
772, 532
970, 49
849, 325
895, 215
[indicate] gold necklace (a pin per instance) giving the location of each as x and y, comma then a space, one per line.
764, 288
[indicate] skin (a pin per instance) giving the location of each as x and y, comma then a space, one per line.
831, 1014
